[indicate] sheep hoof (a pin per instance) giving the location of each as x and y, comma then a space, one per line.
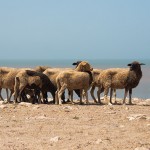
95, 101
81, 103
110, 104
130, 103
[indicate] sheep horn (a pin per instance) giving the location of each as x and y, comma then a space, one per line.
77, 63
74, 63
142, 64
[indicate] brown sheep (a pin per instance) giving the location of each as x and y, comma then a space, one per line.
120, 78
7, 78
33, 80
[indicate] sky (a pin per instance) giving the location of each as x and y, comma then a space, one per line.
74, 29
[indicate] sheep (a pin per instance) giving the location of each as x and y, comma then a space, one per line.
7, 78
80, 78
96, 73
120, 78
34, 80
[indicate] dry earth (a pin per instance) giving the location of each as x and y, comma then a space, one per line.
70, 127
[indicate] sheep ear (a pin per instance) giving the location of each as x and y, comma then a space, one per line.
142, 64
91, 69
74, 63
129, 65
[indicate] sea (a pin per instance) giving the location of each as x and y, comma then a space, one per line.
142, 91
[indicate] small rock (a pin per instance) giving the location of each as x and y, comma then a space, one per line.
121, 126
110, 112
67, 108
3, 106
55, 139
36, 107
98, 141
25, 104
137, 117
1, 102
127, 108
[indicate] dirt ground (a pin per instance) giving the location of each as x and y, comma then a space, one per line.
28, 126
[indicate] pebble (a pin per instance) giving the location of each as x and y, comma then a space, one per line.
55, 139
25, 104
137, 117
98, 141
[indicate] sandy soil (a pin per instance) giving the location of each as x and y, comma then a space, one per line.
26, 126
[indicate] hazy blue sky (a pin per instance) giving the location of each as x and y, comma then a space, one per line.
74, 29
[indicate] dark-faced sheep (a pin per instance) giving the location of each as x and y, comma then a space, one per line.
121, 78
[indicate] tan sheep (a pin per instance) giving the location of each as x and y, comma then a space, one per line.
96, 73
7, 78
120, 78
80, 78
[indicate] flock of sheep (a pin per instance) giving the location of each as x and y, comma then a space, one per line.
32, 85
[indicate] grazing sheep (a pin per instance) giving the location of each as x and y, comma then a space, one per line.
120, 78
33, 80
80, 78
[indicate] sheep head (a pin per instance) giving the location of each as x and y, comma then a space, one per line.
84, 66
135, 65
76, 63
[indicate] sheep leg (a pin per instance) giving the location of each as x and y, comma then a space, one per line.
105, 94
125, 95
114, 95
111, 91
7, 94
1, 95
71, 96
9, 97
92, 93
98, 95
56, 97
63, 97
60, 92
53, 95
81, 97
86, 96
16, 94
20, 93
130, 95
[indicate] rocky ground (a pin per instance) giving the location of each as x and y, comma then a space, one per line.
25, 126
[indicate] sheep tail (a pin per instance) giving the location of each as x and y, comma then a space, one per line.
91, 77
